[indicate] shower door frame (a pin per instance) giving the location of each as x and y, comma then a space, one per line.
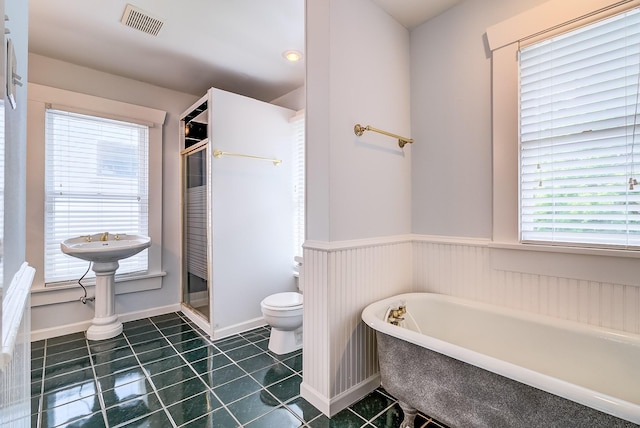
192, 313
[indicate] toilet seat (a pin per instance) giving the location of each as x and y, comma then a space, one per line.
287, 301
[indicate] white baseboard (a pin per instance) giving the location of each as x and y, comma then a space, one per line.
238, 328
132, 316
47, 333
316, 399
331, 406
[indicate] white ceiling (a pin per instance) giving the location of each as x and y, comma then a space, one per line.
235, 45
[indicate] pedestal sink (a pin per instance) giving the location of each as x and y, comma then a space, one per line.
104, 250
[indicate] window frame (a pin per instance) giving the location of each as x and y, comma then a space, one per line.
41, 97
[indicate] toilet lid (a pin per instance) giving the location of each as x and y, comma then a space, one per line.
283, 300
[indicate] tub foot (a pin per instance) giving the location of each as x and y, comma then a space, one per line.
409, 415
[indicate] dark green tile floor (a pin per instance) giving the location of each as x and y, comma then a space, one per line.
164, 372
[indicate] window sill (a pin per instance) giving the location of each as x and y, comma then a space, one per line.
564, 249
582, 264
42, 295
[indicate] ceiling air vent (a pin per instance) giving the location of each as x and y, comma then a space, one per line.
140, 20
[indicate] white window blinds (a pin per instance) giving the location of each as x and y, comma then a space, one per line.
298, 182
96, 180
580, 136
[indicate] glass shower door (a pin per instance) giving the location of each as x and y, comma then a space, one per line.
196, 224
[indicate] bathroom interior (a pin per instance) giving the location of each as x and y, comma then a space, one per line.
438, 215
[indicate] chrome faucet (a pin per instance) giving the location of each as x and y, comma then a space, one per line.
104, 236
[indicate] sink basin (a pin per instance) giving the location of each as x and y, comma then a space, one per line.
116, 247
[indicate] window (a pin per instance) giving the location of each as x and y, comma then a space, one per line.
298, 182
96, 180
580, 136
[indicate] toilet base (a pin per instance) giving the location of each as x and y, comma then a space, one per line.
285, 341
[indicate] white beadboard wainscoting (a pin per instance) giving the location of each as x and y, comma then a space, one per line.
340, 279
599, 287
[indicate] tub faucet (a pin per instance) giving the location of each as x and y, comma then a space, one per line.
395, 315
104, 236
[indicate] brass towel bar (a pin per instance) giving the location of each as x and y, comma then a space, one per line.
220, 153
402, 141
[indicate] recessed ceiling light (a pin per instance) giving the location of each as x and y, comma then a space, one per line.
292, 55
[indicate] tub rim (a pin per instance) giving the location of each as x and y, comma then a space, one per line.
605, 403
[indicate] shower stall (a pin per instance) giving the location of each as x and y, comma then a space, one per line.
237, 210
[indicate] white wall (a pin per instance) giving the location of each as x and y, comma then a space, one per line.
55, 73
252, 207
357, 187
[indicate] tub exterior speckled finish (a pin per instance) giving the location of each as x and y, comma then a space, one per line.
470, 364
462, 395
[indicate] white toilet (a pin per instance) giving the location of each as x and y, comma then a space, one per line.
283, 312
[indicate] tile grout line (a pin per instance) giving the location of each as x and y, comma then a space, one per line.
186, 363
148, 377
209, 389
283, 404
377, 415
41, 410
263, 387
174, 341
103, 408
235, 362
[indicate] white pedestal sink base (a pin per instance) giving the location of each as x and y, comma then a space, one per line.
105, 324
106, 331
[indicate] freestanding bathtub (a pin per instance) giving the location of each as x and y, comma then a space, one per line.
469, 364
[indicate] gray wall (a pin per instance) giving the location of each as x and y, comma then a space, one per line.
451, 119
15, 156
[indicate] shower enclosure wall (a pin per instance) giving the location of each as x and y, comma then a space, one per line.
237, 212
